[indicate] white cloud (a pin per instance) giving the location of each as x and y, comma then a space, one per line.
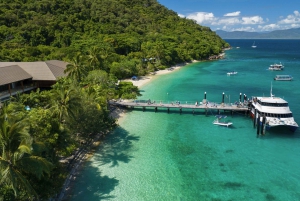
269, 27
252, 20
291, 19
233, 14
180, 15
235, 22
202, 17
227, 21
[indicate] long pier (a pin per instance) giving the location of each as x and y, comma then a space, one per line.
205, 107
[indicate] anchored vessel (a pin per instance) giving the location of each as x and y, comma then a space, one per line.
276, 67
283, 78
221, 123
232, 73
275, 109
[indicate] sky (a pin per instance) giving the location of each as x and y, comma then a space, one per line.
239, 15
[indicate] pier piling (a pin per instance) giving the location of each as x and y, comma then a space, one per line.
258, 125
263, 129
254, 119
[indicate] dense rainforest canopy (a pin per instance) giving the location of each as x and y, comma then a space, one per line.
103, 41
129, 36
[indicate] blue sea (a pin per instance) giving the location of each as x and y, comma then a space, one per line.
171, 156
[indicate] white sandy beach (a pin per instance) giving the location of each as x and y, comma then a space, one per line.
147, 78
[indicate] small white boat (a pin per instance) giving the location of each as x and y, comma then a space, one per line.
221, 123
283, 78
254, 46
232, 73
276, 66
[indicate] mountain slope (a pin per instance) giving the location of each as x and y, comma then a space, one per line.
279, 34
133, 29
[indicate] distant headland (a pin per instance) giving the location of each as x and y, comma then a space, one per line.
278, 34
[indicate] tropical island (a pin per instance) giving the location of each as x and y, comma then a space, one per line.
102, 41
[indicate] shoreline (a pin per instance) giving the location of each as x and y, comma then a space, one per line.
142, 80
118, 114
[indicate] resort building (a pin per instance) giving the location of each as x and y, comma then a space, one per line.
20, 77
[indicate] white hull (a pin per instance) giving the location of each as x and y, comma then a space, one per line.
232, 73
283, 78
223, 124
276, 111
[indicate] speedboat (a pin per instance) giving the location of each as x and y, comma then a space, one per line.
276, 66
275, 109
283, 78
232, 73
221, 123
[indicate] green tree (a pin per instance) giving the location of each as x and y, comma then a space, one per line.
76, 69
128, 91
17, 162
66, 100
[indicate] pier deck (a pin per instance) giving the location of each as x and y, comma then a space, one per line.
201, 106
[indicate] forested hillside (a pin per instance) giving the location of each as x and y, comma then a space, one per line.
42, 134
124, 33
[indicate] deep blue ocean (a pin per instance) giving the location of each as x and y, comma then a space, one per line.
160, 156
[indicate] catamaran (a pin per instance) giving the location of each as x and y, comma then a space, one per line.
275, 109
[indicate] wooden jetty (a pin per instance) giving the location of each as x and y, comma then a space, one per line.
205, 107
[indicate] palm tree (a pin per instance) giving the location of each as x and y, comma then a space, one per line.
66, 101
76, 68
16, 159
94, 58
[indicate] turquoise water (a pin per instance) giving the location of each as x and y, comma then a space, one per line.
161, 156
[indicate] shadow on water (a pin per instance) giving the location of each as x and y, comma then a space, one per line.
184, 111
115, 149
100, 186
280, 132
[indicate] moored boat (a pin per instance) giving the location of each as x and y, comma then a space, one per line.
275, 109
276, 66
221, 123
283, 78
232, 73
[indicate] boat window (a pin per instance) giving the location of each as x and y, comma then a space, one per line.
274, 104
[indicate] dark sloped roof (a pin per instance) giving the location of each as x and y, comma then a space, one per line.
39, 70
14, 73
57, 67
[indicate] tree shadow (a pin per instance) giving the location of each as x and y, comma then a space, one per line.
93, 186
116, 148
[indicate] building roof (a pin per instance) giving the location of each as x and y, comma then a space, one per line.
39, 71
14, 73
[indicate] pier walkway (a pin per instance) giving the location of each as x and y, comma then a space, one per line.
191, 106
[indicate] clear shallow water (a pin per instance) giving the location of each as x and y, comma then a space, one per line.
161, 156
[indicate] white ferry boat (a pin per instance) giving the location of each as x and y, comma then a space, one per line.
283, 78
276, 66
276, 110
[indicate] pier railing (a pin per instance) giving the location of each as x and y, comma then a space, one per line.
237, 106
